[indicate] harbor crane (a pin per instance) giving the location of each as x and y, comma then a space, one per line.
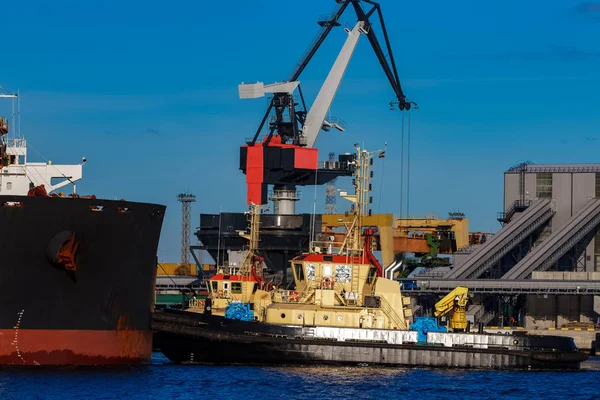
285, 156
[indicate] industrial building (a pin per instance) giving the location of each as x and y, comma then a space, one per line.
570, 187
539, 271
551, 218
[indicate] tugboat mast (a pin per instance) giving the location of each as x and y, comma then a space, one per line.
249, 265
353, 242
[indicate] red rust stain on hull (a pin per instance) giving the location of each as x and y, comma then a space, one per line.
74, 347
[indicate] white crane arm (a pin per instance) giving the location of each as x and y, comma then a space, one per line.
318, 111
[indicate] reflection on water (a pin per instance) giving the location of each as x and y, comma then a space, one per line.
165, 380
337, 374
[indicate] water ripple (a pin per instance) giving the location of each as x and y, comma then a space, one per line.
164, 380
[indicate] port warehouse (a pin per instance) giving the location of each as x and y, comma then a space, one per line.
541, 269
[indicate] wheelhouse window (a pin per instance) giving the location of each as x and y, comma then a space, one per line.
343, 273
310, 272
236, 287
371, 276
215, 286
299, 271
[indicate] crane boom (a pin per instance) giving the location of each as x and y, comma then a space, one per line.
446, 304
389, 69
315, 117
326, 26
455, 302
281, 152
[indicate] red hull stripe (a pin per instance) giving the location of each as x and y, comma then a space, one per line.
74, 347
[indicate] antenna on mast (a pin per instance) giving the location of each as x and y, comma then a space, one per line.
19, 113
5, 94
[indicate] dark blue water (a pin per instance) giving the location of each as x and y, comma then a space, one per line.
163, 380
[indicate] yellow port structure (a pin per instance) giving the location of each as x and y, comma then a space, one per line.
178, 269
403, 235
409, 234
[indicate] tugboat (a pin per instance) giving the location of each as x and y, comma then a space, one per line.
341, 311
233, 289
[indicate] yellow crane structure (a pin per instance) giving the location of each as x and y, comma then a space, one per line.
454, 302
409, 233
406, 235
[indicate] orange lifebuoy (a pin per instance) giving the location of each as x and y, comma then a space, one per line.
294, 296
326, 283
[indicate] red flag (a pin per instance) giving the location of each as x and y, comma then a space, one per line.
382, 154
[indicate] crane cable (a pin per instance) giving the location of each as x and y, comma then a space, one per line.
402, 168
408, 169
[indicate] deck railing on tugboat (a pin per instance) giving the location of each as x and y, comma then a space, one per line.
196, 303
333, 248
325, 247
348, 298
391, 313
286, 296
338, 288
292, 296
259, 311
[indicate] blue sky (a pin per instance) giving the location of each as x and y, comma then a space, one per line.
147, 91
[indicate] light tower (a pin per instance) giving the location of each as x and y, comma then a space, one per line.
330, 193
186, 200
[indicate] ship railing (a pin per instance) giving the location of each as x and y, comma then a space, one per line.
196, 303
259, 311
16, 142
285, 195
232, 297
17, 169
344, 166
330, 247
294, 296
346, 297
288, 296
309, 290
391, 313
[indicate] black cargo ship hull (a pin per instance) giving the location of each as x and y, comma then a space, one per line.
195, 338
97, 312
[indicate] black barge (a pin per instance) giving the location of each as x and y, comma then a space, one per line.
187, 337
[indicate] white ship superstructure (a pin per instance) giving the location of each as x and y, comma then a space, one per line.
18, 175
